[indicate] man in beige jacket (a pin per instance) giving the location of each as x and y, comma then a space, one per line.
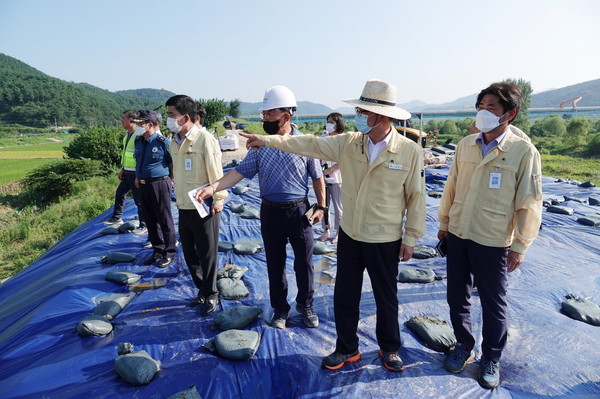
383, 198
196, 161
490, 213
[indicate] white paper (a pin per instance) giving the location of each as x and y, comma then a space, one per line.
203, 210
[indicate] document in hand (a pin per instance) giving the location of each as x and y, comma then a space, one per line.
204, 207
309, 213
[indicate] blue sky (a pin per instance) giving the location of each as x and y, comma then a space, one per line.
433, 51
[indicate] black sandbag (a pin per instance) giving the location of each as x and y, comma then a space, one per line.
235, 344
320, 248
250, 213
129, 226
137, 368
118, 257
93, 326
587, 184
422, 252
110, 229
225, 246
415, 275
435, 194
112, 305
240, 189
237, 207
190, 393
580, 200
230, 288
563, 210
590, 220
581, 309
594, 201
122, 277
246, 248
236, 318
434, 331
231, 271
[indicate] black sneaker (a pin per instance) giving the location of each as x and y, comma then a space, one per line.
458, 358
153, 259
336, 360
113, 220
279, 320
391, 361
309, 317
165, 262
489, 377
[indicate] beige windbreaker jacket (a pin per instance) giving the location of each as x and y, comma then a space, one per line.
497, 200
375, 198
196, 161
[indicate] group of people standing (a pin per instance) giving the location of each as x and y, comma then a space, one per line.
490, 211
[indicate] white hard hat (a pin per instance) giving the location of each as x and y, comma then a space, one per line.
278, 97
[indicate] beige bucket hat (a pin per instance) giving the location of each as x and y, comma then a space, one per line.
379, 97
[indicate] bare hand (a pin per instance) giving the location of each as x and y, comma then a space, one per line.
254, 141
317, 216
121, 174
441, 234
406, 252
514, 260
204, 193
137, 183
216, 208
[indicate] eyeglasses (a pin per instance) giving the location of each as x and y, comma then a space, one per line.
268, 115
360, 112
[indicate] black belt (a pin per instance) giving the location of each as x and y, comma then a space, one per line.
283, 205
146, 181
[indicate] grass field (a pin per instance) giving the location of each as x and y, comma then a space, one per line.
18, 160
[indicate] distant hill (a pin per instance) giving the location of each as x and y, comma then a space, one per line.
32, 98
589, 91
156, 95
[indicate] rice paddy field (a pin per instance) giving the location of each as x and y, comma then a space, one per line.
18, 160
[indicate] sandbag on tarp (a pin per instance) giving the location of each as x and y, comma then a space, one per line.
190, 393
434, 331
581, 309
590, 220
587, 184
237, 207
580, 200
415, 275
422, 252
230, 288
240, 189
112, 305
122, 277
246, 248
137, 368
94, 325
128, 227
224, 246
320, 248
110, 229
563, 210
236, 318
435, 194
234, 344
231, 271
117, 257
250, 213
594, 201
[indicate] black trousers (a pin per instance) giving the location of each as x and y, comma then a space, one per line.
277, 226
126, 185
381, 262
156, 201
471, 263
199, 241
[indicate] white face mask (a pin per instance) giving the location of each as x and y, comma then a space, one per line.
173, 126
139, 130
330, 127
485, 121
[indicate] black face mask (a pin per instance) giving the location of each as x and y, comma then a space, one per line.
271, 127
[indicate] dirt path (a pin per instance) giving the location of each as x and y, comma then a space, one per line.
240, 153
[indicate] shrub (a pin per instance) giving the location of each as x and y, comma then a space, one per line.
100, 143
48, 183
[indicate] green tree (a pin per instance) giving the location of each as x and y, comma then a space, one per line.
100, 143
550, 126
216, 110
593, 146
449, 128
234, 108
578, 130
522, 119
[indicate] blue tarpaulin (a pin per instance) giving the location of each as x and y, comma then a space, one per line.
41, 355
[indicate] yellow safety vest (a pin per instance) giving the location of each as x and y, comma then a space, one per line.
127, 159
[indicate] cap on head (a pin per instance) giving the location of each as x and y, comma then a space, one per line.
278, 97
379, 97
146, 115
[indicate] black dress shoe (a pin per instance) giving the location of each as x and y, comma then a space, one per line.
165, 262
197, 301
210, 305
153, 259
